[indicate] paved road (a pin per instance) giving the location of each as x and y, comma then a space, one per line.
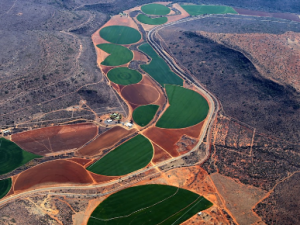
213, 109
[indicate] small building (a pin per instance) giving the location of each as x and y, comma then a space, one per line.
128, 124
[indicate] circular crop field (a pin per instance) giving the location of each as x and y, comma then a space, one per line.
12, 156
5, 186
155, 21
155, 9
187, 108
140, 94
149, 204
130, 156
119, 54
144, 114
124, 76
120, 35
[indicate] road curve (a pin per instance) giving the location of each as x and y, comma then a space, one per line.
213, 109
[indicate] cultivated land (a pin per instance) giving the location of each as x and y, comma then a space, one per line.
149, 204
128, 157
120, 35
144, 114
5, 186
158, 68
155, 9
55, 139
12, 156
119, 54
195, 10
52, 173
124, 76
256, 160
105, 141
151, 21
187, 108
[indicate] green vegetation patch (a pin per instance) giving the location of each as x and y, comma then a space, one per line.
195, 10
149, 205
128, 157
12, 156
144, 114
151, 21
124, 76
5, 186
158, 68
119, 54
187, 108
120, 35
155, 9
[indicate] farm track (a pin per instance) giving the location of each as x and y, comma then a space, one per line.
213, 109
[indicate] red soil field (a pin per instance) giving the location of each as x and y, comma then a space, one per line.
159, 154
140, 94
287, 16
101, 178
51, 174
81, 161
167, 138
55, 139
105, 140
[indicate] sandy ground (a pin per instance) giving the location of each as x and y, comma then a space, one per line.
239, 198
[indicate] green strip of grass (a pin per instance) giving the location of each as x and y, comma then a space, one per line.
144, 114
5, 186
158, 68
187, 108
128, 157
12, 156
119, 54
149, 204
195, 10
120, 35
151, 21
124, 76
155, 9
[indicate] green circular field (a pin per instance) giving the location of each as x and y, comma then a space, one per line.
144, 114
128, 157
12, 156
120, 35
124, 76
149, 205
5, 186
119, 54
187, 108
155, 9
155, 21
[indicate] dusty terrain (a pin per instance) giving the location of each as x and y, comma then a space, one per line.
45, 68
50, 77
245, 93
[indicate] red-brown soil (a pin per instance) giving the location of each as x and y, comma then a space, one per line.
167, 138
276, 56
287, 16
52, 173
138, 56
140, 94
105, 140
159, 154
55, 139
81, 161
101, 178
